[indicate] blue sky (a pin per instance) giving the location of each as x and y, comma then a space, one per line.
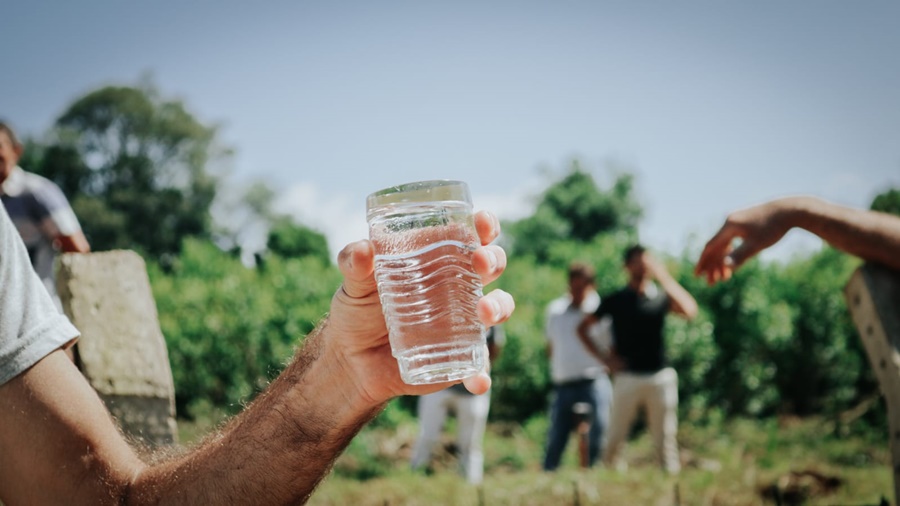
715, 105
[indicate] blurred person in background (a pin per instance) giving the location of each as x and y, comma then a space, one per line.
39, 210
578, 376
643, 378
471, 413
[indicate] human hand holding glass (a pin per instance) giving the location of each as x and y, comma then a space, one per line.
360, 344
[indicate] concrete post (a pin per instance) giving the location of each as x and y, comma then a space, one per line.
121, 351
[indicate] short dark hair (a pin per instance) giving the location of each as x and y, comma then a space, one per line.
633, 251
8, 130
581, 270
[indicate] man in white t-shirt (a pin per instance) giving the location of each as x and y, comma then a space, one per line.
577, 376
39, 210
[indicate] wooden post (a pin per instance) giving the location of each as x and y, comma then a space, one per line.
873, 295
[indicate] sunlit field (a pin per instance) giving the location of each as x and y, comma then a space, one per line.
787, 461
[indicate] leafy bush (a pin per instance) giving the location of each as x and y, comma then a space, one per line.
230, 329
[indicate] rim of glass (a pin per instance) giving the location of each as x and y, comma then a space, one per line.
421, 191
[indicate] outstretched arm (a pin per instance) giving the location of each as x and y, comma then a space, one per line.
59, 445
683, 304
870, 235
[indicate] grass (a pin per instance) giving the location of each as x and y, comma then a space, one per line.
734, 463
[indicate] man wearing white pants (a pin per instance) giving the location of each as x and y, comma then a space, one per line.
471, 417
642, 378
658, 393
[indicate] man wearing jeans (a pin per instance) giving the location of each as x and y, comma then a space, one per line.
638, 314
577, 375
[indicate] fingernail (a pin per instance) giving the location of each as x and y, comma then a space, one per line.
495, 310
492, 259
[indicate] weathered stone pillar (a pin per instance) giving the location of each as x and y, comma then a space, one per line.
873, 295
121, 351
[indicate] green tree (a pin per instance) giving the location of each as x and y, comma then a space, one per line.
822, 368
576, 208
887, 202
244, 216
61, 164
291, 240
587, 209
230, 329
749, 324
521, 374
136, 168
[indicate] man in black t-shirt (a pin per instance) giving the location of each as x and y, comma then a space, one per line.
642, 377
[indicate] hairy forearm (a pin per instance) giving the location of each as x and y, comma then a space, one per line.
870, 235
276, 451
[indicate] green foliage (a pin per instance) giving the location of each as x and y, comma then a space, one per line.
291, 240
230, 329
784, 340
576, 209
395, 414
59, 163
135, 167
823, 367
747, 324
587, 210
520, 375
887, 202
537, 234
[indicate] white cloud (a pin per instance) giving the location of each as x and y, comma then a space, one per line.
340, 217
507, 206
510, 203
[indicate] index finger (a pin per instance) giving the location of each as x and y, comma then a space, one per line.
488, 227
714, 252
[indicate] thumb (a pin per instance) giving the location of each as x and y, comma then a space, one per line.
357, 263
